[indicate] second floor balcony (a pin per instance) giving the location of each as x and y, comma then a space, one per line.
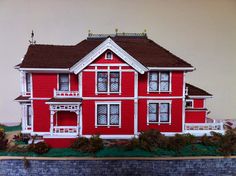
60, 93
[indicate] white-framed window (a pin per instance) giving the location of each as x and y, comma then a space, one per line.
159, 112
108, 82
189, 103
159, 82
28, 115
108, 114
63, 82
109, 55
28, 82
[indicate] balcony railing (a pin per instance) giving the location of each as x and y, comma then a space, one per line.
65, 129
59, 93
201, 128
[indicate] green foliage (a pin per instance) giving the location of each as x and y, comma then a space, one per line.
151, 139
177, 142
227, 144
213, 140
132, 144
39, 148
3, 141
92, 145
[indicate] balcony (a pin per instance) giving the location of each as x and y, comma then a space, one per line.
66, 94
66, 130
199, 129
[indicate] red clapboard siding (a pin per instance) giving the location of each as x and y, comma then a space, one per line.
198, 103
176, 117
59, 142
43, 84
41, 116
73, 82
65, 118
127, 119
176, 85
195, 116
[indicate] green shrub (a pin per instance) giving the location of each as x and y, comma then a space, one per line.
80, 144
92, 145
132, 144
39, 148
95, 144
213, 140
151, 139
3, 141
227, 144
177, 142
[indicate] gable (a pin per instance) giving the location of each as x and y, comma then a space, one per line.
108, 44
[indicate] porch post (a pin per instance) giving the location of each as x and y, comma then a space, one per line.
51, 121
77, 112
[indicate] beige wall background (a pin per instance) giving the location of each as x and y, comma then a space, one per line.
202, 32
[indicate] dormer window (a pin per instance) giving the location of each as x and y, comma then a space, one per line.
64, 82
109, 55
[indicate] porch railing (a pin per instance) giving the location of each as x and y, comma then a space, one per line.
65, 130
58, 93
201, 128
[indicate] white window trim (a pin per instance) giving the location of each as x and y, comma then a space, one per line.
108, 113
58, 81
159, 101
107, 57
189, 100
24, 91
159, 90
108, 80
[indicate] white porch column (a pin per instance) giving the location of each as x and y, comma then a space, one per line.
78, 128
51, 121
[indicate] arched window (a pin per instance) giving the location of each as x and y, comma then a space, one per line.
109, 55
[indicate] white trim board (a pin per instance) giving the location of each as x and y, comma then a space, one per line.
108, 44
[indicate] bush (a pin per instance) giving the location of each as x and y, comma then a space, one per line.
95, 144
92, 145
213, 140
227, 144
177, 142
3, 141
80, 144
39, 148
132, 144
22, 138
151, 139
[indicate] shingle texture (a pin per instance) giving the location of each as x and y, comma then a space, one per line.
146, 51
195, 91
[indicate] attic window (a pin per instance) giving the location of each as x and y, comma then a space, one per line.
109, 55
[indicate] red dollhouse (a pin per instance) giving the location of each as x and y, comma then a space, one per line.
113, 85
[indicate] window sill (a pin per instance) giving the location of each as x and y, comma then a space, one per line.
159, 123
159, 91
108, 126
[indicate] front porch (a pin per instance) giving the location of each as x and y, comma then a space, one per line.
65, 117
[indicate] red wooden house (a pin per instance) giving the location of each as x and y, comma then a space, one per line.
112, 85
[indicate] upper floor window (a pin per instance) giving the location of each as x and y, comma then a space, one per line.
159, 81
109, 55
158, 112
64, 82
189, 104
28, 82
108, 81
108, 114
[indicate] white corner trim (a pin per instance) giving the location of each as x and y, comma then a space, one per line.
108, 44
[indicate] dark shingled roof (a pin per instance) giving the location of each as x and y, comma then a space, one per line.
22, 98
65, 100
195, 91
143, 49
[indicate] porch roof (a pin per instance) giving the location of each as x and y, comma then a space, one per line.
64, 100
22, 98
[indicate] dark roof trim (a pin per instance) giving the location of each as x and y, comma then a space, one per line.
22, 99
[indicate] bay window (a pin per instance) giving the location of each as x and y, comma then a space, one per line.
159, 82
